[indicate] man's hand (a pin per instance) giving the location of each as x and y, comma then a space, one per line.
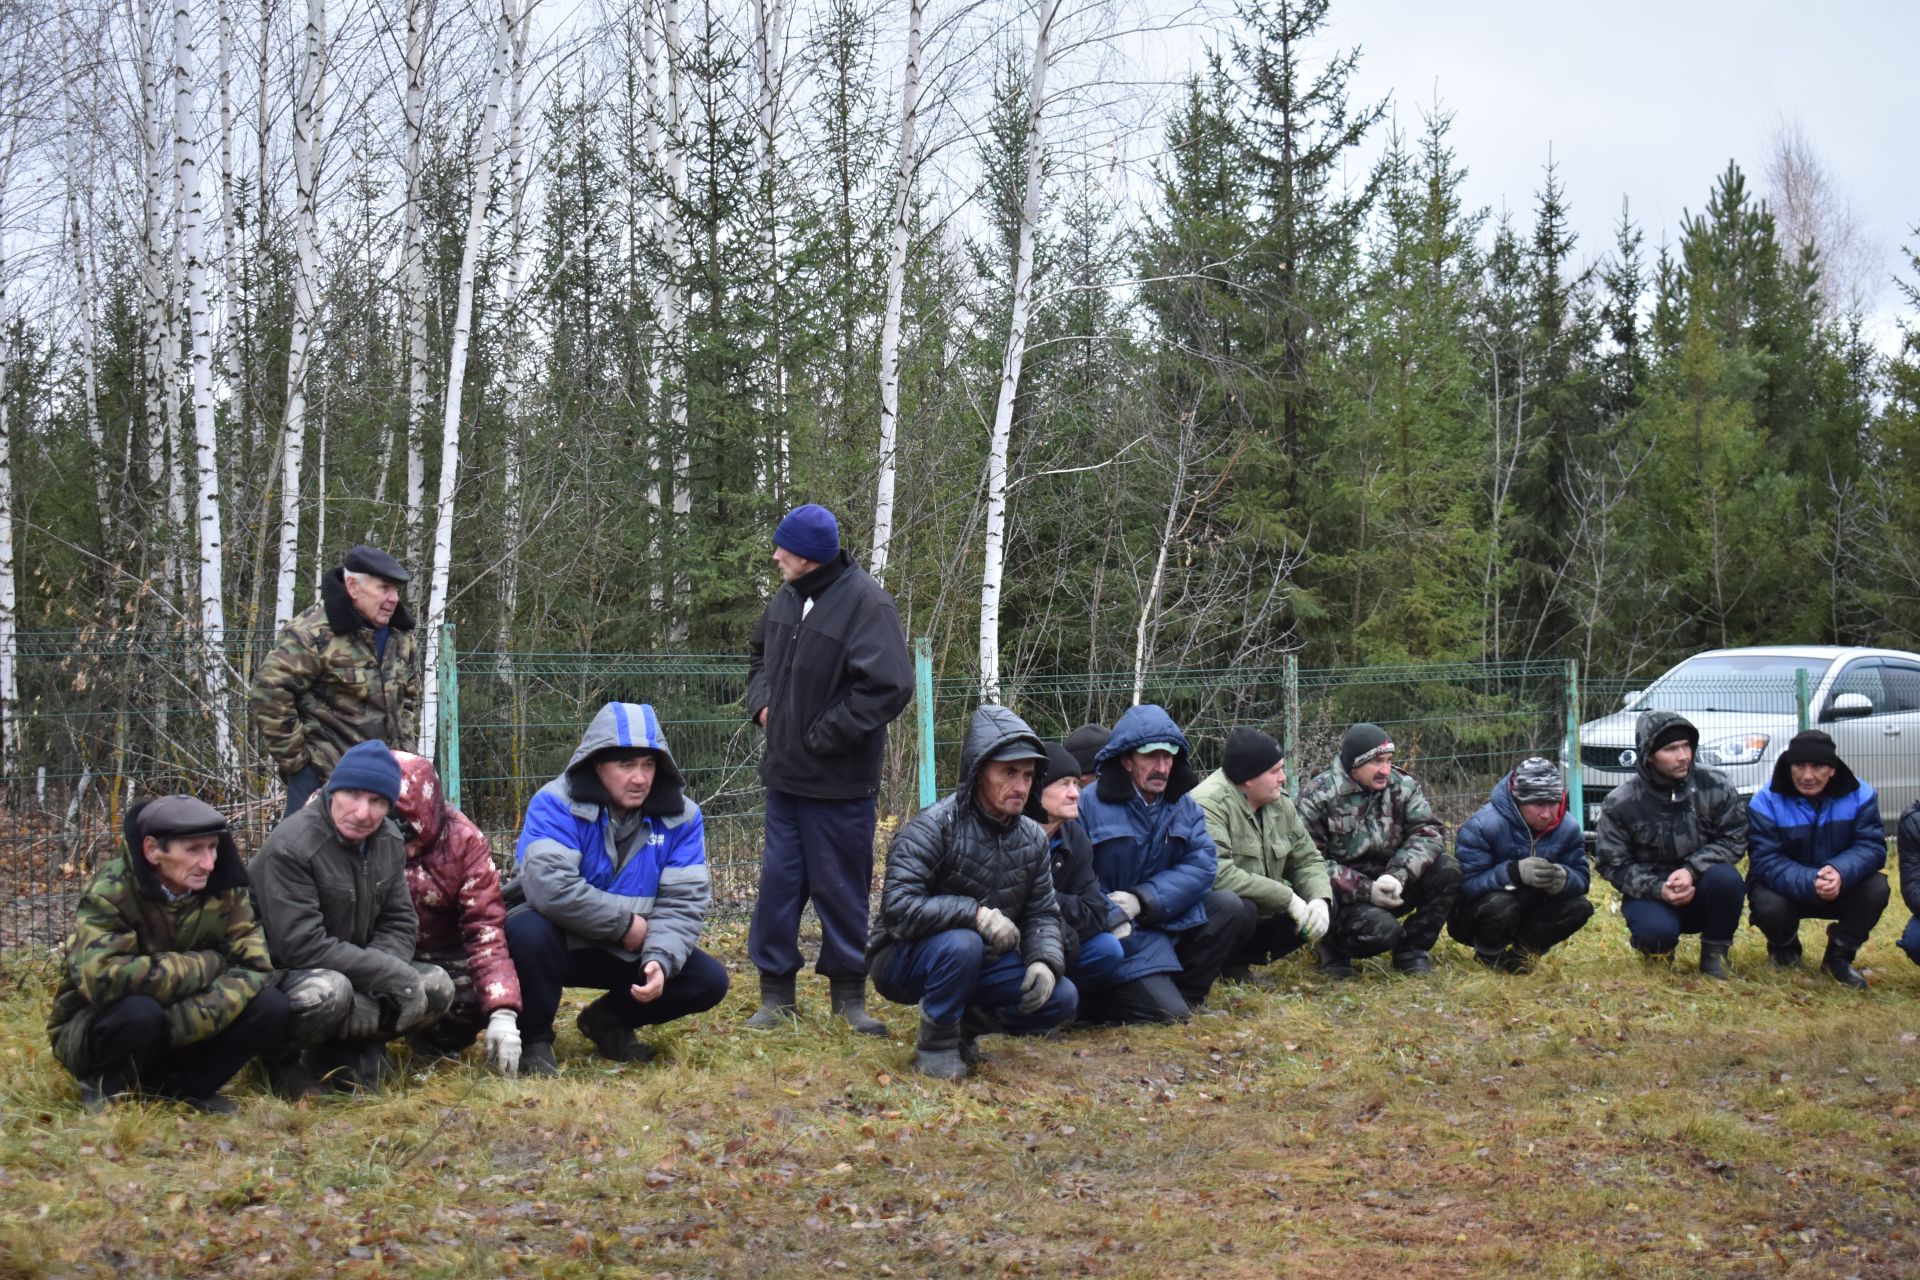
656, 982
1678, 889
1826, 883
636, 935
1319, 919
1386, 892
1542, 874
1001, 934
1127, 902
1037, 989
363, 1019
503, 1041
761, 719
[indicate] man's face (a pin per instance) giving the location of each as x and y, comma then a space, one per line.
1263, 789
374, 598
628, 782
1061, 798
1150, 771
1375, 773
1674, 759
357, 814
183, 863
792, 566
1811, 779
1541, 816
1003, 788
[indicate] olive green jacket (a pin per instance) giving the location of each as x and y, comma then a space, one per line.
1265, 857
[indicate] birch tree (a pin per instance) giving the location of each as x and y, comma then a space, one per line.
413, 268
904, 167
76, 55
770, 39
9, 588
517, 347
309, 153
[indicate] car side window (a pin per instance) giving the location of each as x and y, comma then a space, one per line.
1861, 676
1902, 680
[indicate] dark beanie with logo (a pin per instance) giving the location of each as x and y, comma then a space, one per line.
1363, 742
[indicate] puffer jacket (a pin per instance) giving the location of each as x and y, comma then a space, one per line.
454, 885
1365, 834
1492, 842
203, 957
952, 859
1650, 825
1908, 841
1789, 837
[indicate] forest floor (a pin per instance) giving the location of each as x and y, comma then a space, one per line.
1594, 1118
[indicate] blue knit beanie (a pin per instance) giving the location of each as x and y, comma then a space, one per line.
367, 766
810, 532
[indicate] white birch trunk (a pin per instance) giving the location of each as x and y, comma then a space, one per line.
157, 371
10, 718
904, 167
228, 361
673, 314
996, 524
517, 348
488, 143
660, 356
320, 503
309, 152
413, 271
770, 39
79, 186
1150, 605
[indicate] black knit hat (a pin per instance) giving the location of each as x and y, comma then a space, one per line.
1363, 742
1060, 763
1249, 754
1085, 743
1811, 746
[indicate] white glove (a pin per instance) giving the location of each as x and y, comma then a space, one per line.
1037, 989
1127, 902
1001, 933
1297, 908
503, 1041
1386, 892
1319, 919
1122, 930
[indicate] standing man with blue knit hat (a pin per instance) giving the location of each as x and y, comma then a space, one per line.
829, 671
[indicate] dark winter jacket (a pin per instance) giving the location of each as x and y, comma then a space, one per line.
573, 871
329, 904
323, 688
1161, 853
202, 957
1085, 912
1909, 844
455, 886
1365, 834
1789, 837
952, 859
1492, 842
830, 677
1650, 825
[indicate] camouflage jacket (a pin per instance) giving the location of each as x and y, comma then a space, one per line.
321, 689
203, 957
1650, 825
1364, 835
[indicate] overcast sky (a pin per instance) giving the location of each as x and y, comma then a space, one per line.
1650, 100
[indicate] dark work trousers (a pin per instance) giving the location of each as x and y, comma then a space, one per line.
1361, 929
1525, 918
1267, 939
1910, 940
1203, 949
819, 851
1854, 913
949, 973
129, 1049
547, 966
1655, 927
300, 787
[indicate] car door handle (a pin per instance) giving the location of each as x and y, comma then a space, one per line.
1891, 731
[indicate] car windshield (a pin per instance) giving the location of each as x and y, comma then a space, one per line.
1748, 682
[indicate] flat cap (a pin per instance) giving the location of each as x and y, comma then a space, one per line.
365, 559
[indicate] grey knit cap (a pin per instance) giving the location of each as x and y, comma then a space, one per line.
1536, 780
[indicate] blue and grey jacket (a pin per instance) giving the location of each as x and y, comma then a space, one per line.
573, 873
1789, 837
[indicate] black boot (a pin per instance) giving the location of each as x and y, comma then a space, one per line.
290, 1080
1838, 963
1413, 962
849, 999
974, 1024
938, 1052
777, 1007
1784, 957
611, 1039
1333, 964
1713, 960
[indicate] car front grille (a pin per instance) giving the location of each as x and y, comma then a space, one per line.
1622, 759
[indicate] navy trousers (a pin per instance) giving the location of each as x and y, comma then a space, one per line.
950, 972
1655, 927
818, 851
547, 966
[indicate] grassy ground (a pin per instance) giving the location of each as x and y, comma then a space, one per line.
1591, 1119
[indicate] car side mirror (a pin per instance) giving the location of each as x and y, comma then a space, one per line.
1628, 699
1850, 705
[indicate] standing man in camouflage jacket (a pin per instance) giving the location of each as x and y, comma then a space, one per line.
1387, 854
166, 986
345, 671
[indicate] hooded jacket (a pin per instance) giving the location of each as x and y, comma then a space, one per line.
1492, 842
1364, 834
203, 957
454, 886
828, 663
953, 858
323, 689
1789, 837
573, 872
1909, 845
1161, 852
1265, 856
1651, 825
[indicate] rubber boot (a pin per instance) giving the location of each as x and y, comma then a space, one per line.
1333, 964
290, 1079
974, 1024
1784, 957
938, 1052
1713, 960
1413, 962
611, 1039
777, 1007
849, 998
1838, 964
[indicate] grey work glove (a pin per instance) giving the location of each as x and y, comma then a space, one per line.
1038, 987
1542, 874
363, 1019
1386, 892
1122, 930
1001, 934
1127, 902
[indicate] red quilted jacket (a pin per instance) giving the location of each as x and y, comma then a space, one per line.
455, 886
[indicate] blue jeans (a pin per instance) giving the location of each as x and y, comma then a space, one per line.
949, 972
1098, 962
1714, 913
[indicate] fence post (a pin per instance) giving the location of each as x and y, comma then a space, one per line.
1802, 696
923, 699
1290, 685
1576, 784
449, 699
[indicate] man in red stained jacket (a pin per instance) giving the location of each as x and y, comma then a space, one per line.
456, 893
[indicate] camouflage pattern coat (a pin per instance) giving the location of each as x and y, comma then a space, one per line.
322, 689
203, 957
1650, 825
1364, 834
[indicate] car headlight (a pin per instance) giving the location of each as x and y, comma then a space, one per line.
1745, 748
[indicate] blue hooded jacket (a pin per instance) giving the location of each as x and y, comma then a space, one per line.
1496, 837
1789, 837
572, 873
1161, 853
